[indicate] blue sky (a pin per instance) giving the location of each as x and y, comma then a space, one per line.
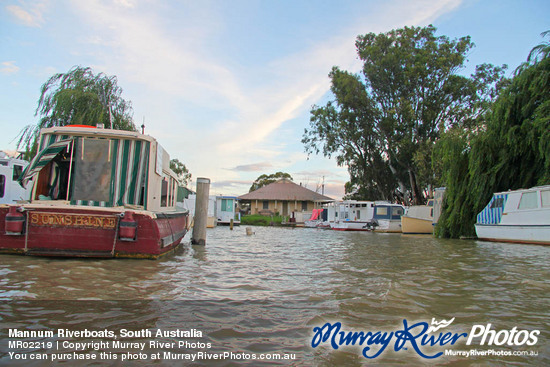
227, 86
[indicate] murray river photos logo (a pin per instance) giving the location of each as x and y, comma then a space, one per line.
425, 339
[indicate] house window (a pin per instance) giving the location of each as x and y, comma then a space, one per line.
265, 204
304, 205
528, 200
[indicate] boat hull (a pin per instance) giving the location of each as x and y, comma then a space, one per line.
410, 225
530, 234
388, 226
92, 232
351, 226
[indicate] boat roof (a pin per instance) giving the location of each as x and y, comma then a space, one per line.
93, 131
535, 188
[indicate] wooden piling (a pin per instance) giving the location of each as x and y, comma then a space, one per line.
231, 224
201, 211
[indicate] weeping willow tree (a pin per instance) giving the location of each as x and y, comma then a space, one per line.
509, 150
78, 97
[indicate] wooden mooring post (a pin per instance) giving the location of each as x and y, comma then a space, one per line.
201, 212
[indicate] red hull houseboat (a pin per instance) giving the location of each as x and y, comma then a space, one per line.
96, 193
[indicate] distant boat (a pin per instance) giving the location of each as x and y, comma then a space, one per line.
387, 217
419, 219
10, 170
226, 210
520, 216
354, 215
316, 219
96, 193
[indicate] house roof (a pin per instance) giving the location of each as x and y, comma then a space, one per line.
284, 190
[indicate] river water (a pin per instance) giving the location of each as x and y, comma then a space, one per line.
259, 295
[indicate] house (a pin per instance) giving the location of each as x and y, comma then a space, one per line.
283, 197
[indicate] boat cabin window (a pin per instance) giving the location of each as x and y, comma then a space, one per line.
528, 200
396, 212
168, 192
2, 185
17, 170
497, 203
381, 212
545, 196
53, 180
164, 192
227, 205
92, 170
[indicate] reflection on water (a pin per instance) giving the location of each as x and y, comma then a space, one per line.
266, 292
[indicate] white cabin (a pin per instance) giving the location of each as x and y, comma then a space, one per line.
10, 170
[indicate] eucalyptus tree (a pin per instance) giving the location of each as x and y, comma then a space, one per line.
264, 180
181, 171
79, 97
383, 122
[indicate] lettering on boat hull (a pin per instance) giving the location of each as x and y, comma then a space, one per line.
42, 219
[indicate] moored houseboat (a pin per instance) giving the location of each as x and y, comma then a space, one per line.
226, 210
97, 193
520, 216
419, 219
354, 215
387, 217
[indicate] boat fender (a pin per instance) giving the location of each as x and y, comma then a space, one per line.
15, 222
127, 230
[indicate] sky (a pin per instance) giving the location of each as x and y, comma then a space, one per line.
227, 86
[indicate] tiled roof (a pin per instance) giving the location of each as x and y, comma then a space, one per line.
284, 190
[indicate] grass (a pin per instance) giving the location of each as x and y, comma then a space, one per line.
260, 220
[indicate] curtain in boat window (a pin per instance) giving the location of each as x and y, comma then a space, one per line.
92, 170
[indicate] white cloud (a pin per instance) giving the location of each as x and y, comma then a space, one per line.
174, 62
29, 13
8, 67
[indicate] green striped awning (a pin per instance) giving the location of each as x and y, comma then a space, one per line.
42, 159
128, 185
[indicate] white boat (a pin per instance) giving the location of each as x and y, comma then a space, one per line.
419, 219
520, 216
353, 215
387, 217
226, 211
315, 220
10, 170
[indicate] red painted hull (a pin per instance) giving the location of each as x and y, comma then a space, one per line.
93, 232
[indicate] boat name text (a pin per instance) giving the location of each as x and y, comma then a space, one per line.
72, 220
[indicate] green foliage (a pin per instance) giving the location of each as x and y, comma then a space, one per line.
79, 97
384, 123
181, 171
264, 180
508, 151
261, 220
